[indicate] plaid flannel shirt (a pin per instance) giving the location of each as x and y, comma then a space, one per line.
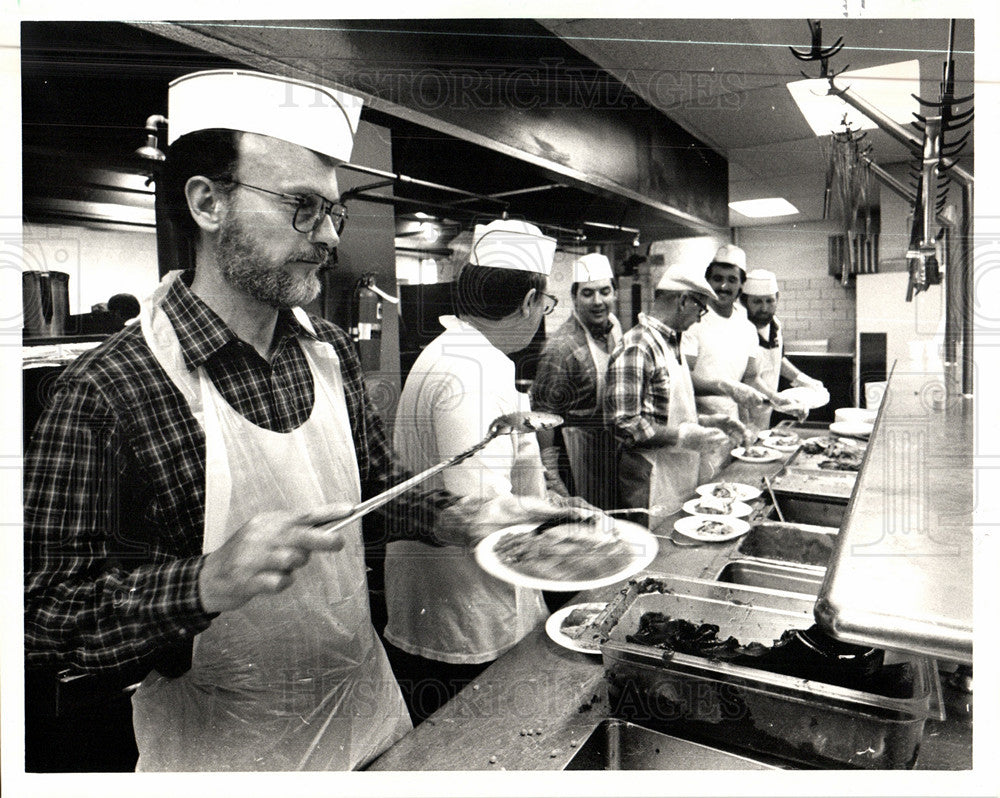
114, 489
638, 390
566, 381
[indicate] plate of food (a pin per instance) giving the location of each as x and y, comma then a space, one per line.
573, 627
809, 398
711, 530
757, 454
729, 490
781, 439
569, 555
712, 505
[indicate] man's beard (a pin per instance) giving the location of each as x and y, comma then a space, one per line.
246, 268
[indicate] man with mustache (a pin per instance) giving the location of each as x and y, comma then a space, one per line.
180, 488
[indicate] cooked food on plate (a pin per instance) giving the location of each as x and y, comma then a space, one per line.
579, 619
726, 490
571, 551
758, 452
714, 528
780, 438
711, 505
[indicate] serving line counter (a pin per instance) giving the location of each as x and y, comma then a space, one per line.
535, 707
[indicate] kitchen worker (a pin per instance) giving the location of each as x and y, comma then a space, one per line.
650, 400
570, 380
760, 298
721, 350
447, 618
177, 489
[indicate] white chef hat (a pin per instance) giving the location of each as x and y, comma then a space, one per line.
682, 277
761, 282
732, 255
589, 268
512, 244
313, 116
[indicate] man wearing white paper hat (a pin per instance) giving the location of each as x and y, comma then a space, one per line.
722, 348
449, 619
650, 400
760, 298
180, 488
570, 382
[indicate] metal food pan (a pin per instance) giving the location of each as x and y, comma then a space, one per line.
807, 545
772, 576
803, 721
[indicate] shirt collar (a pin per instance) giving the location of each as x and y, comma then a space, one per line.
668, 333
201, 332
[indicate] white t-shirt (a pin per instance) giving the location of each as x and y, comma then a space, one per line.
723, 346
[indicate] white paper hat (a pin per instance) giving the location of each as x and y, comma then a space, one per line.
589, 268
313, 116
761, 282
682, 277
512, 244
731, 254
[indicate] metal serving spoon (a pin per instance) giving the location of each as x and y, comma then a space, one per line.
504, 425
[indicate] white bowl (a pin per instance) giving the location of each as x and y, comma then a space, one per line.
855, 415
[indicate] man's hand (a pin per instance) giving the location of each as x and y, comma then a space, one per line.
263, 555
700, 439
798, 411
729, 425
744, 395
469, 520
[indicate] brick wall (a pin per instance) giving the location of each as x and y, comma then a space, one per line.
813, 308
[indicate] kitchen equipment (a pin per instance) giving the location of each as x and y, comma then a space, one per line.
45, 298
804, 544
504, 425
619, 745
855, 414
774, 501
878, 724
772, 576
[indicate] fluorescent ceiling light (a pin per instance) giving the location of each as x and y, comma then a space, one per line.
888, 88
770, 206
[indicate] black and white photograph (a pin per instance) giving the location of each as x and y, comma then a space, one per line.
499, 400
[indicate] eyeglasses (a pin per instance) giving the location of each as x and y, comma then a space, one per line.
550, 303
310, 209
702, 307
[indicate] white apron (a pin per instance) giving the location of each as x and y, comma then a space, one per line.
769, 373
591, 450
662, 479
293, 681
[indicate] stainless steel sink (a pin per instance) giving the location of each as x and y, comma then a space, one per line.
772, 576
620, 745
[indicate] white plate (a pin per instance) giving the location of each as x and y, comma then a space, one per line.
744, 493
553, 628
740, 454
852, 429
855, 414
768, 437
737, 509
640, 540
810, 398
688, 526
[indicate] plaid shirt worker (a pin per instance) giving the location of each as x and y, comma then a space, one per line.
565, 382
638, 389
115, 483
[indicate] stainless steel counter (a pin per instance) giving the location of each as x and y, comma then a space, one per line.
901, 574
559, 694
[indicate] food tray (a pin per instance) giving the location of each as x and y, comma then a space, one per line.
804, 721
806, 545
831, 485
804, 461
